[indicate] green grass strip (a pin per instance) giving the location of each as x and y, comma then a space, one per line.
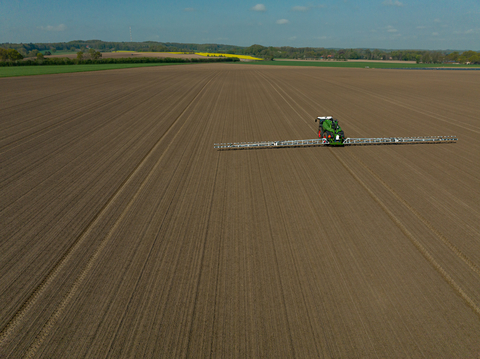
348, 64
13, 71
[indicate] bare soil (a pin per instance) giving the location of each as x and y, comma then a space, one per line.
125, 234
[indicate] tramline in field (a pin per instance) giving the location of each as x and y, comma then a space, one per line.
331, 134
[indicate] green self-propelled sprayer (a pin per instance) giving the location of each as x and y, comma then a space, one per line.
331, 134
330, 130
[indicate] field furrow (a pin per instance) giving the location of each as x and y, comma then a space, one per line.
125, 234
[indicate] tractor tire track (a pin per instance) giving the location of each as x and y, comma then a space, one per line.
383, 98
251, 253
94, 107
118, 155
414, 241
21, 313
422, 219
463, 257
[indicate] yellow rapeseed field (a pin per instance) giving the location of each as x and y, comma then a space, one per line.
227, 55
245, 57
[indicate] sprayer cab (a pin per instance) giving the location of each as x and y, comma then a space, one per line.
330, 130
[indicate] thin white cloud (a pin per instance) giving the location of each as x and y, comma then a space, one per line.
292, 38
300, 8
189, 9
61, 27
437, 21
421, 27
282, 21
390, 28
306, 8
468, 32
435, 33
259, 7
393, 3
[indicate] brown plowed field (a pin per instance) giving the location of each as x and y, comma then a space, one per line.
125, 234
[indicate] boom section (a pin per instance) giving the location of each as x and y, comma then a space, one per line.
264, 144
346, 142
398, 140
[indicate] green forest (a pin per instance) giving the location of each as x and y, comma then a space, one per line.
31, 50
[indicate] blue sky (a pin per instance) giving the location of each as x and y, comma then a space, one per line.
388, 24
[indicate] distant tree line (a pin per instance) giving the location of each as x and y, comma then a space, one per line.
420, 56
31, 50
